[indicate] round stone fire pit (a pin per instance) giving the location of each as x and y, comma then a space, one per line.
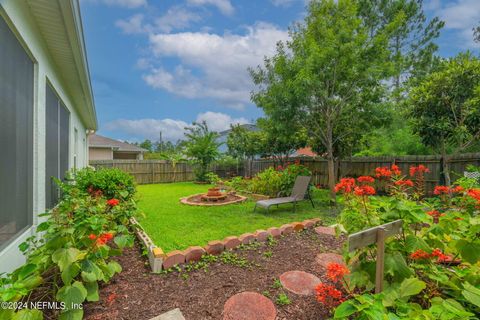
214, 197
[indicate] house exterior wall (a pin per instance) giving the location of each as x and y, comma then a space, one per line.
127, 155
17, 15
100, 154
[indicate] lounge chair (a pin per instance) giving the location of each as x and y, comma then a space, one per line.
299, 193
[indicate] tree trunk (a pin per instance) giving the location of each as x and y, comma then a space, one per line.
331, 166
445, 166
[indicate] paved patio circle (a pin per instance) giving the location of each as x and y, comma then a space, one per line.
299, 282
249, 306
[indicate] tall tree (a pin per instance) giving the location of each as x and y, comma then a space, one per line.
446, 107
411, 44
244, 144
201, 147
332, 77
476, 34
147, 144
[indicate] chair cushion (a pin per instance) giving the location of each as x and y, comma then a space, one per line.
270, 202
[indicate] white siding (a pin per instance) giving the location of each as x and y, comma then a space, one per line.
17, 15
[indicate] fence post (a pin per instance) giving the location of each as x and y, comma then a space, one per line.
380, 260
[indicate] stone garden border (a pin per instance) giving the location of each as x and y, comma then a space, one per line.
184, 200
160, 261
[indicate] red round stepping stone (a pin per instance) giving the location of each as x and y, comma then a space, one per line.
299, 282
324, 259
249, 306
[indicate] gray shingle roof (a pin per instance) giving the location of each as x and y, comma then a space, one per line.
96, 141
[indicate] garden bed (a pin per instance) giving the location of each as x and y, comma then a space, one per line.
136, 293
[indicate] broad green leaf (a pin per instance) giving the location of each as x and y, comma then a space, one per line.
26, 270
28, 314
73, 314
6, 313
121, 241
69, 273
472, 294
345, 310
114, 267
396, 266
72, 295
414, 243
470, 251
456, 308
64, 257
32, 281
43, 226
92, 291
91, 272
411, 287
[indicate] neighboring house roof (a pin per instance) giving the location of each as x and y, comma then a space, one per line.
304, 152
96, 141
60, 24
249, 127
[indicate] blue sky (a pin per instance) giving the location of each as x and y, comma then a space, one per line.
158, 65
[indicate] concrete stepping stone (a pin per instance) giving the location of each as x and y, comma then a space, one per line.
249, 306
299, 282
322, 260
174, 314
325, 230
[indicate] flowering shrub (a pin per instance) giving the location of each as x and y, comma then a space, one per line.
271, 181
331, 295
71, 254
432, 270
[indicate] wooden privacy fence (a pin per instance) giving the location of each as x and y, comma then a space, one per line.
360, 166
161, 171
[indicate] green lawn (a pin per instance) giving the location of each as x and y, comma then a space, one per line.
173, 225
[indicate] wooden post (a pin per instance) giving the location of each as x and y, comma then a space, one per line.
376, 235
380, 260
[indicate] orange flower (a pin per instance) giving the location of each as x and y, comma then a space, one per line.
92, 236
441, 190
346, 185
365, 179
421, 169
383, 172
113, 202
408, 183
365, 190
329, 295
419, 255
396, 170
435, 214
336, 271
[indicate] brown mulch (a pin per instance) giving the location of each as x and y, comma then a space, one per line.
136, 293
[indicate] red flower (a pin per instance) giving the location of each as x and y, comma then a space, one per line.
441, 190
457, 189
336, 271
92, 236
408, 183
365, 179
346, 185
104, 238
297, 162
435, 214
113, 202
329, 295
365, 190
383, 172
421, 169
396, 170
279, 168
419, 255
441, 257
474, 193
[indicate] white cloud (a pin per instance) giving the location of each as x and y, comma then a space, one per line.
172, 130
224, 6
211, 65
176, 18
459, 15
122, 3
282, 3
132, 25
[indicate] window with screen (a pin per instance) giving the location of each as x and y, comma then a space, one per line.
16, 132
56, 144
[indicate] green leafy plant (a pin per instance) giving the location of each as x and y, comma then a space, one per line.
71, 254
283, 299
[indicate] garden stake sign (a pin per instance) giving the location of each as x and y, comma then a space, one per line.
376, 235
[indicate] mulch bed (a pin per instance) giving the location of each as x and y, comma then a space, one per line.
136, 293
